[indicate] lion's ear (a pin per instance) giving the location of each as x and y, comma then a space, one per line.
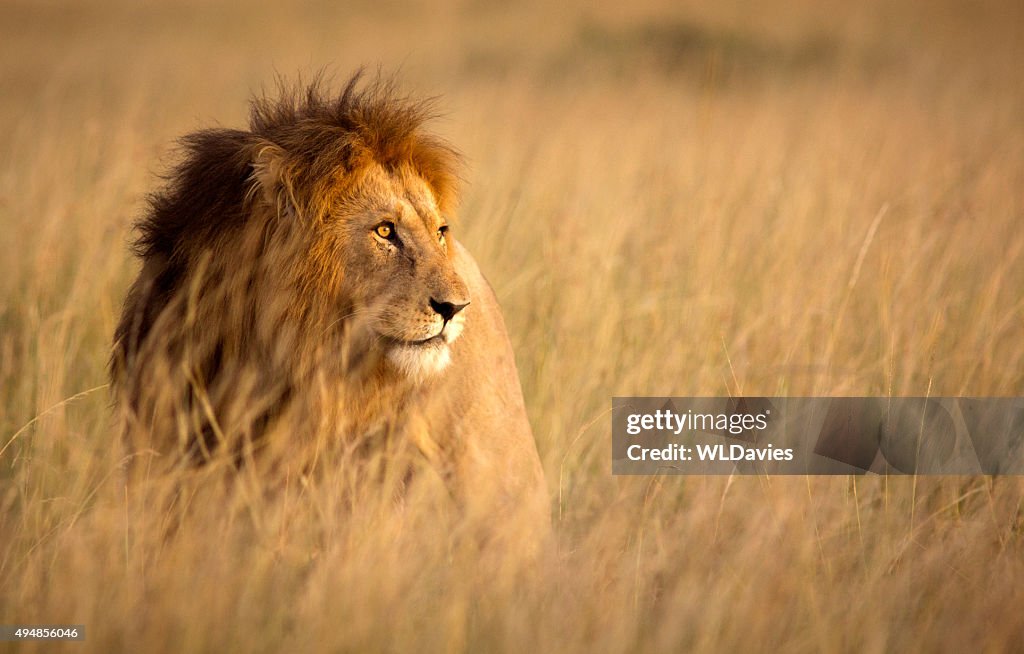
271, 181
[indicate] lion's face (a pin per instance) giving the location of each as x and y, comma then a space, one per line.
397, 258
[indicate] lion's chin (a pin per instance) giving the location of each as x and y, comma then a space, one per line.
419, 361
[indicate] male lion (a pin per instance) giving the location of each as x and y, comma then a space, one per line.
301, 285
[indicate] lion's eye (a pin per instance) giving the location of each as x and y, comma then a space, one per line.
385, 230
442, 231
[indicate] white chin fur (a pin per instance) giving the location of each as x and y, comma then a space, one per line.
420, 361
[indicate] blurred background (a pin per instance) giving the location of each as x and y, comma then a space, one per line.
670, 198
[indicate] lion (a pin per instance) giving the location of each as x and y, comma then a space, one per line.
302, 282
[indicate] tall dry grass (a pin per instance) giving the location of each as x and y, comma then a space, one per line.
756, 198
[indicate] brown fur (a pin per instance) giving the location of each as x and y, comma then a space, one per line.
270, 313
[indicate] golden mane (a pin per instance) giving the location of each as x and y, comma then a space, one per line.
316, 144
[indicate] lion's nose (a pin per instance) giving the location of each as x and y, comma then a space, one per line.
447, 310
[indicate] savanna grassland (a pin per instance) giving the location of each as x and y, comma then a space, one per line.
807, 198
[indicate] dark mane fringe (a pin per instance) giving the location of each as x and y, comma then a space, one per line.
323, 138
204, 194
